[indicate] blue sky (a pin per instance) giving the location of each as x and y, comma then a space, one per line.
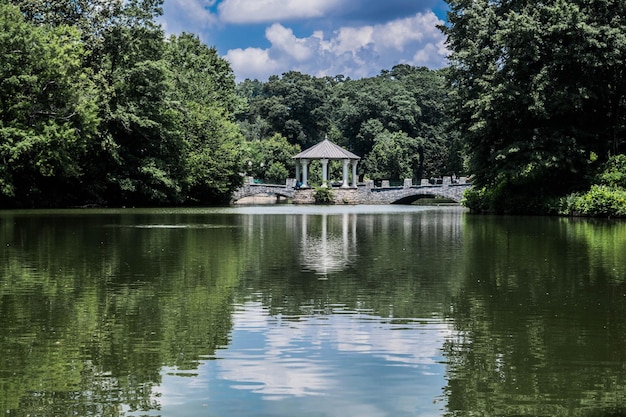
355, 38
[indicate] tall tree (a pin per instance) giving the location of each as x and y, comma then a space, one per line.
408, 100
48, 112
539, 88
395, 156
204, 92
143, 165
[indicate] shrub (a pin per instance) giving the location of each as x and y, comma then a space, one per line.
323, 195
475, 199
599, 201
614, 172
277, 173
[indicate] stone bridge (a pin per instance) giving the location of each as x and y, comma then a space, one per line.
251, 189
364, 193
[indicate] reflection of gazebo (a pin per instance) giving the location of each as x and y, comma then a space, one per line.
326, 151
325, 249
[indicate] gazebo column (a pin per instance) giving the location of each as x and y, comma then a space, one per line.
297, 171
345, 184
354, 174
305, 162
324, 162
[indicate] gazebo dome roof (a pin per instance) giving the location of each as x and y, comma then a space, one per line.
326, 150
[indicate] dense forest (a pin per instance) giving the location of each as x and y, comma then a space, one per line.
99, 107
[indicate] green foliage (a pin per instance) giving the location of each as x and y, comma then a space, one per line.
406, 100
296, 105
324, 195
599, 201
538, 88
605, 199
97, 107
48, 113
204, 93
271, 159
276, 173
613, 173
394, 156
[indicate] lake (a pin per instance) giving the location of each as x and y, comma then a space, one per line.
305, 311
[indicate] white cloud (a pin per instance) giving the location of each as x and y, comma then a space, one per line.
257, 11
284, 40
351, 51
252, 62
191, 16
352, 40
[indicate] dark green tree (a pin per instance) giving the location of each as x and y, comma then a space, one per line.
539, 93
297, 106
48, 113
131, 119
395, 156
404, 99
143, 165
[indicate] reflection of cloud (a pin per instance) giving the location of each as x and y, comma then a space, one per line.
272, 364
324, 251
344, 363
280, 358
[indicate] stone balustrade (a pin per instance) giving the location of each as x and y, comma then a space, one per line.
365, 193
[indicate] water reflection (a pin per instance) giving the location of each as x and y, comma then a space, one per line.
424, 312
324, 249
330, 363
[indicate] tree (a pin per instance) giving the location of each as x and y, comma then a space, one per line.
204, 93
297, 106
271, 159
405, 99
395, 156
539, 88
48, 111
143, 165
161, 127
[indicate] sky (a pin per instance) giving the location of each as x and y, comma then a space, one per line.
354, 38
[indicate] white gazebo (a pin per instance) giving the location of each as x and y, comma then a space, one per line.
324, 152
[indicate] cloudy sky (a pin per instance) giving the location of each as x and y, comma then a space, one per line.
355, 38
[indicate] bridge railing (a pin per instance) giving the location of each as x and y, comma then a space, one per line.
382, 184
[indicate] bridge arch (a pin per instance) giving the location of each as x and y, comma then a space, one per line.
407, 195
413, 198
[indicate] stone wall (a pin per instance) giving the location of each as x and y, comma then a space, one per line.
366, 195
304, 196
341, 196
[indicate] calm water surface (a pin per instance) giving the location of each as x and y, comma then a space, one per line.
310, 311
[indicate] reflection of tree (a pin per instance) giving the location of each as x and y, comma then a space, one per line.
386, 264
540, 320
90, 309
